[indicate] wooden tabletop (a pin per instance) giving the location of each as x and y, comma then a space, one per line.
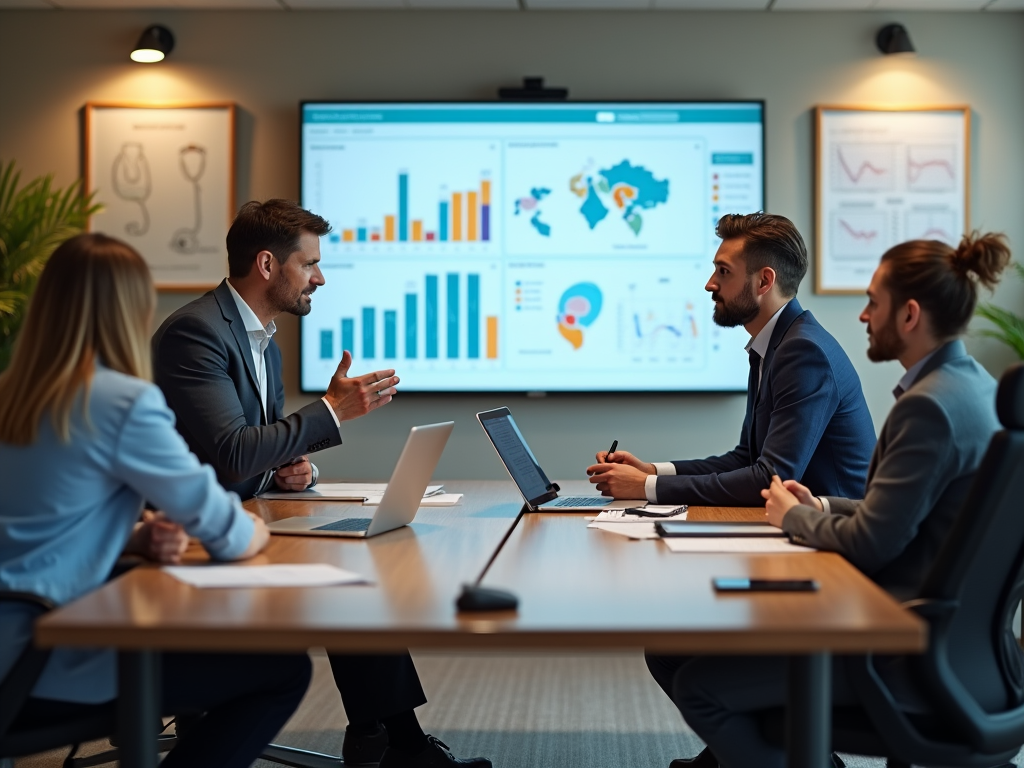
577, 587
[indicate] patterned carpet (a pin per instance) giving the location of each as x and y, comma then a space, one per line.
551, 711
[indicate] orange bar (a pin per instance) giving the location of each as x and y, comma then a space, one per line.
348, 235
492, 337
456, 216
417, 230
485, 192
472, 216
389, 228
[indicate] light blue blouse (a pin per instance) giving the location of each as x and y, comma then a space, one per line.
68, 509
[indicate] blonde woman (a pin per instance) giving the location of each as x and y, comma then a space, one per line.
84, 438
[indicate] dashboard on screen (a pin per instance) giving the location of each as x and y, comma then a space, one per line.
526, 247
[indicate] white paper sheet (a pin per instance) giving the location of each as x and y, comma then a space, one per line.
437, 500
631, 530
745, 545
621, 516
278, 575
340, 492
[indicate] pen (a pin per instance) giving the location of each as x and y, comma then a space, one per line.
615, 444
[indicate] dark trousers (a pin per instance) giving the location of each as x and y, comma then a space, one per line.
247, 698
375, 687
721, 698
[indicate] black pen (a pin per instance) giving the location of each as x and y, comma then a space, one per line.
615, 444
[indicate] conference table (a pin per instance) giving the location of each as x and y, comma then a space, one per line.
578, 588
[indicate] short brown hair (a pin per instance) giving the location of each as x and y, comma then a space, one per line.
943, 279
274, 226
769, 241
94, 301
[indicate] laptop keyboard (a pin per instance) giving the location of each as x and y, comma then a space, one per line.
579, 501
348, 524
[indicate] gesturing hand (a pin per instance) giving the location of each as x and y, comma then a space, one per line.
779, 501
619, 481
355, 397
158, 539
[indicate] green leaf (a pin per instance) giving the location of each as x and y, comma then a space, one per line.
1009, 327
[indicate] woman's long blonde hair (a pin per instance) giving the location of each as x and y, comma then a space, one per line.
94, 300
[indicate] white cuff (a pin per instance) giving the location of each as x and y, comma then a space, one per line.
825, 507
651, 488
334, 416
316, 474
664, 467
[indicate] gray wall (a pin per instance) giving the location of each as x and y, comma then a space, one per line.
51, 63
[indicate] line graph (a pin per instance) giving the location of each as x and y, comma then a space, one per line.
865, 167
858, 234
930, 168
934, 225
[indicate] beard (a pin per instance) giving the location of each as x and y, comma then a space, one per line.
885, 343
283, 300
740, 312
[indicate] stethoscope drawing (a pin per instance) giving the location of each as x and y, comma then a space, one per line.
192, 161
132, 182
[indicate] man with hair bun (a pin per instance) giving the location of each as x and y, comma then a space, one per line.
920, 300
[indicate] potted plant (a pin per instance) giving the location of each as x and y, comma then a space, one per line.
34, 220
1009, 327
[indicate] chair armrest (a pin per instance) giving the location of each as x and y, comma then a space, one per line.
21, 679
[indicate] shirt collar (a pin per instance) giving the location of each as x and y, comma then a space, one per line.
251, 323
760, 342
914, 371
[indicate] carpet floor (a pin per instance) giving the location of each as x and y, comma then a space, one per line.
536, 711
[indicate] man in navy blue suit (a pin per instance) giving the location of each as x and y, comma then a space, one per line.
806, 418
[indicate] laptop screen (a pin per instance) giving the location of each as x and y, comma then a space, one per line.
516, 455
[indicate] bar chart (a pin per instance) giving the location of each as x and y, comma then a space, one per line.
449, 315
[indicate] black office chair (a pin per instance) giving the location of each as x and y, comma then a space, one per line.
968, 687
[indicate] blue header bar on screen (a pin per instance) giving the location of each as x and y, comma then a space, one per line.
611, 114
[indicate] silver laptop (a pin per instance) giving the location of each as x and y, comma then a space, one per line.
401, 499
541, 494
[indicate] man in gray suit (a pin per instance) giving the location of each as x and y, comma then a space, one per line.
920, 301
220, 371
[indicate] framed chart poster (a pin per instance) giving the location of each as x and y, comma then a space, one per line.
885, 176
165, 176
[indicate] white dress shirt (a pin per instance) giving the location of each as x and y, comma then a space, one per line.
757, 343
259, 339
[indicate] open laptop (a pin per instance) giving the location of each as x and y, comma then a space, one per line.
401, 498
541, 494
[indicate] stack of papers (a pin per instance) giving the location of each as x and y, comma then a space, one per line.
280, 575
620, 522
340, 492
436, 500
742, 545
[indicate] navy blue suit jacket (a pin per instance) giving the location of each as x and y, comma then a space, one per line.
808, 421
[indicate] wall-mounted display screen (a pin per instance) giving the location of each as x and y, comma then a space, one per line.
526, 247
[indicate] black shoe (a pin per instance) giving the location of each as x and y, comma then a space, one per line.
705, 759
434, 755
364, 749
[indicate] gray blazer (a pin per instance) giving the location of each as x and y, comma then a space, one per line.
202, 361
921, 470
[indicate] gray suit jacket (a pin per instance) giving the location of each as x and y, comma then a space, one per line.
921, 470
202, 361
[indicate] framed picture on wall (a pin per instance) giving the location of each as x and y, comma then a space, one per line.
165, 175
884, 176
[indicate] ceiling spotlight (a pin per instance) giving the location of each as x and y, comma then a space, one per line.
155, 43
893, 38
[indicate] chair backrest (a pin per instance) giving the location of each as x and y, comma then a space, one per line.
979, 576
22, 676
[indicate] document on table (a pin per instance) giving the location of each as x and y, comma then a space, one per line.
437, 500
748, 545
340, 492
277, 575
631, 530
622, 516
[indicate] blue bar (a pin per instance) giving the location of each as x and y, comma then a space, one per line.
361, 234
732, 158
410, 325
326, 345
369, 328
390, 334
610, 113
473, 317
442, 227
403, 207
431, 319
348, 335
453, 315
